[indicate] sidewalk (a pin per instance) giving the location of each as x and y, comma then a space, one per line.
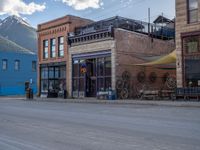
176, 103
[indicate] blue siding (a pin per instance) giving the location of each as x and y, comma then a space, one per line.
12, 81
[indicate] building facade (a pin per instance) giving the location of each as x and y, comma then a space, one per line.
85, 57
53, 54
188, 43
102, 52
16, 68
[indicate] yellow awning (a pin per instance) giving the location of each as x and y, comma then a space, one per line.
168, 59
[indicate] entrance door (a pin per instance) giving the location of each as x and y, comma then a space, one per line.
91, 78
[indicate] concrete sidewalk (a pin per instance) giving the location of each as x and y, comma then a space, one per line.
176, 103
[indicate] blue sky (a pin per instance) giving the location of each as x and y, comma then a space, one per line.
39, 11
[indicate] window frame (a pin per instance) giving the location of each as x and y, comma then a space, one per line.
45, 49
52, 48
34, 66
6, 68
61, 44
18, 65
192, 10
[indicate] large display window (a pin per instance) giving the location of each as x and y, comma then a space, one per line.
91, 75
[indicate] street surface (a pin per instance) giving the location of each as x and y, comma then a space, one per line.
32, 125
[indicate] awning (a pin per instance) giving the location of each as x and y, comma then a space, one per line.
168, 59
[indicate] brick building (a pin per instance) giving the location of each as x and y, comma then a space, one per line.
188, 42
53, 53
102, 52
85, 57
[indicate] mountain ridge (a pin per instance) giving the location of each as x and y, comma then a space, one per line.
17, 30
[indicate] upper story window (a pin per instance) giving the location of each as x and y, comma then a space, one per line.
4, 64
45, 49
17, 65
192, 11
34, 66
61, 46
191, 44
53, 48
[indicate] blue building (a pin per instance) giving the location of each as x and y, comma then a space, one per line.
17, 66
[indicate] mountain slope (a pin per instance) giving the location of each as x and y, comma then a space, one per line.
19, 31
9, 46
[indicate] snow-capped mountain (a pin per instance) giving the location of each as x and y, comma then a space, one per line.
19, 31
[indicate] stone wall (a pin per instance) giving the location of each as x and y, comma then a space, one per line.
182, 26
88, 48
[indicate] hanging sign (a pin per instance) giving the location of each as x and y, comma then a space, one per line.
83, 68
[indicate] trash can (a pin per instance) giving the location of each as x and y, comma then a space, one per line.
111, 95
28, 93
31, 93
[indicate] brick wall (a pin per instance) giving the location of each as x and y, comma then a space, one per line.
131, 47
54, 29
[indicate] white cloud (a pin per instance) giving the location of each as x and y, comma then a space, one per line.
83, 4
17, 7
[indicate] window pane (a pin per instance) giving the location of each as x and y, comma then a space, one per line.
56, 72
75, 68
45, 49
193, 16
4, 64
62, 72
81, 84
108, 66
44, 73
61, 47
53, 48
34, 67
100, 66
193, 4
75, 85
61, 53
108, 83
17, 65
44, 85
51, 72
192, 44
100, 84
61, 40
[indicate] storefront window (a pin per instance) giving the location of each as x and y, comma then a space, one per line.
57, 70
100, 67
51, 72
108, 83
62, 72
44, 86
44, 73
192, 71
81, 84
92, 79
53, 79
75, 85
100, 84
108, 66
75, 68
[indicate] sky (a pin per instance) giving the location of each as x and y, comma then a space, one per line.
40, 11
